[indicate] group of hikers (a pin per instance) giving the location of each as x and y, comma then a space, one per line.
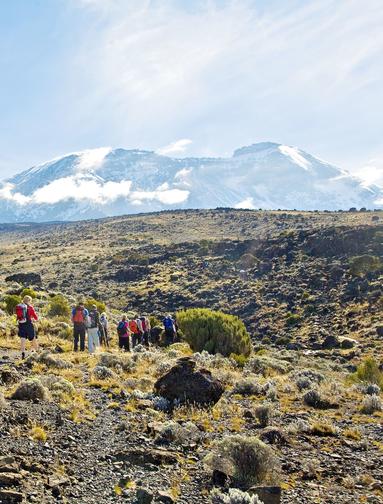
89, 323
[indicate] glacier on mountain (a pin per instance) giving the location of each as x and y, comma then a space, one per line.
104, 182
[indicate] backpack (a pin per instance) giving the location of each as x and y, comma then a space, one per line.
144, 324
133, 326
121, 328
168, 323
93, 320
79, 316
22, 312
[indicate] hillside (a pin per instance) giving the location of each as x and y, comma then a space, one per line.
308, 286
104, 182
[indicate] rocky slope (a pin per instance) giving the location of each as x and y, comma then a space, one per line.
311, 305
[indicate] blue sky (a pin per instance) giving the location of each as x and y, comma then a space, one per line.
204, 77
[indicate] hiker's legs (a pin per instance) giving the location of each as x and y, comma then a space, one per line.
92, 339
76, 335
145, 338
82, 339
23, 342
35, 344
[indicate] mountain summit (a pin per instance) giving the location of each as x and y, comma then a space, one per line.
104, 182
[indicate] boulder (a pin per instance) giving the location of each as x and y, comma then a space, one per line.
25, 279
143, 496
330, 342
267, 494
10, 496
182, 383
379, 330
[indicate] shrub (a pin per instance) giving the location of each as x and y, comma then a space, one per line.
28, 291
11, 302
240, 360
361, 265
59, 307
323, 429
101, 307
312, 398
372, 389
368, 372
265, 365
214, 331
234, 496
30, 390
292, 318
173, 432
371, 404
247, 460
248, 386
264, 414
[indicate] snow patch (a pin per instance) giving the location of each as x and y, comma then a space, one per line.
295, 156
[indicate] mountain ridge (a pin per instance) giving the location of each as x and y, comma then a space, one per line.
106, 182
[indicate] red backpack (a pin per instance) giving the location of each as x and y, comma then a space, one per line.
133, 326
22, 312
79, 316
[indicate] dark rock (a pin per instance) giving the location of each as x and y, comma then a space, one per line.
268, 495
347, 343
10, 479
219, 478
25, 279
330, 342
184, 384
273, 435
379, 330
10, 496
143, 496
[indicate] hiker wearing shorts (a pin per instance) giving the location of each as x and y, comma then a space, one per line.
25, 314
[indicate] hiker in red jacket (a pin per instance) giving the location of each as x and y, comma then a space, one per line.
25, 314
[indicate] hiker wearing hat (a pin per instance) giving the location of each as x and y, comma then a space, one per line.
93, 329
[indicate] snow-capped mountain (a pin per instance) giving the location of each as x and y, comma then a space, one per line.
105, 182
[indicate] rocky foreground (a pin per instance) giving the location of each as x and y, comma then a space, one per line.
305, 408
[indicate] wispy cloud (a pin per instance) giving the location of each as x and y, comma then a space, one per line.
202, 67
177, 147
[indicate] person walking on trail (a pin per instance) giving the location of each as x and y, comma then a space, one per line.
145, 325
93, 329
123, 332
170, 330
79, 318
25, 315
135, 327
104, 323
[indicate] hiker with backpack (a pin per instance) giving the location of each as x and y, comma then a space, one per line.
135, 327
145, 325
94, 329
25, 315
104, 324
123, 332
170, 330
79, 319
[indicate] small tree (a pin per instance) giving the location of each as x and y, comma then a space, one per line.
101, 307
11, 302
59, 307
28, 291
214, 331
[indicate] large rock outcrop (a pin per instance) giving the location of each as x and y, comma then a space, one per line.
183, 383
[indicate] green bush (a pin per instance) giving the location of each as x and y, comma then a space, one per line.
292, 318
101, 307
214, 331
11, 302
368, 372
29, 292
361, 265
59, 307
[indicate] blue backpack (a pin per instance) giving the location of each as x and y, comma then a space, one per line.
168, 323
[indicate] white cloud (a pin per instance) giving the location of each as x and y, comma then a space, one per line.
91, 188
371, 173
295, 156
175, 147
246, 204
91, 159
